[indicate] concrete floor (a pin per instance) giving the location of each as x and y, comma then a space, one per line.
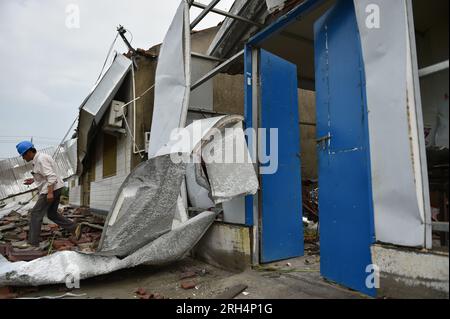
291, 279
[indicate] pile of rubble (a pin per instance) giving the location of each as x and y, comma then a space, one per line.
14, 229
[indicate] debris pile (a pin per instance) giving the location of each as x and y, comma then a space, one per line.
189, 277
14, 229
310, 195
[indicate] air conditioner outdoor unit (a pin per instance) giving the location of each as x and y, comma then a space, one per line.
147, 141
115, 118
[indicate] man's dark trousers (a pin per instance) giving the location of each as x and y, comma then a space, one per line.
42, 208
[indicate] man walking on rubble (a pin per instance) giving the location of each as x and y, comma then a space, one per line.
49, 185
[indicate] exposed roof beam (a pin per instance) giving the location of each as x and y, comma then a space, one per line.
206, 57
203, 14
434, 68
227, 14
217, 70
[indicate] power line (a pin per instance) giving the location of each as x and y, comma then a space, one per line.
45, 137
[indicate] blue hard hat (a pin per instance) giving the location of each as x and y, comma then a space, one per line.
23, 147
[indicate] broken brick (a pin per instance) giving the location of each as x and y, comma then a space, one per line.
45, 228
188, 274
62, 248
81, 211
8, 227
4, 249
22, 235
25, 255
53, 227
46, 234
59, 243
188, 284
6, 293
83, 240
10, 236
141, 291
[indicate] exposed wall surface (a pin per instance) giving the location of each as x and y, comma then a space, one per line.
104, 190
74, 192
200, 40
202, 96
229, 94
307, 121
226, 246
144, 79
411, 273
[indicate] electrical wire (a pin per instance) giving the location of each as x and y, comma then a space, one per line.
132, 37
126, 122
73, 123
107, 57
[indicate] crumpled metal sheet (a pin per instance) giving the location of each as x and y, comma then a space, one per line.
56, 268
97, 103
274, 5
398, 205
16, 207
234, 175
147, 210
172, 81
13, 171
197, 192
234, 33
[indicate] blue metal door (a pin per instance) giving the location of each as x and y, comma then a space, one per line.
281, 194
345, 202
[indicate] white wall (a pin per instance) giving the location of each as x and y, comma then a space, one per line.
74, 192
104, 190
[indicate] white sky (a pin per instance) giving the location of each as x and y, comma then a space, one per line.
47, 69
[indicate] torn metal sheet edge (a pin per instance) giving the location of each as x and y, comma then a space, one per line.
149, 210
236, 176
71, 265
172, 86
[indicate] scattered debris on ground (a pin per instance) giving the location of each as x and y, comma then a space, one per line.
188, 284
231, 292
14, 229
142, 293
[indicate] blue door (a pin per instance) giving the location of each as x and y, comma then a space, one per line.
281, 193
345, 203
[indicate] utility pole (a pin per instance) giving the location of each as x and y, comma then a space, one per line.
122, 32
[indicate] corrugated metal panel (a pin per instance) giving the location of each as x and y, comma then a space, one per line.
97, 103
14, 170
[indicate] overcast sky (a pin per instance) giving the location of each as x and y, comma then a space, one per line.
47, 68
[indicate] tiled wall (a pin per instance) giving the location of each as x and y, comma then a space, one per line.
74, 193
104, 190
